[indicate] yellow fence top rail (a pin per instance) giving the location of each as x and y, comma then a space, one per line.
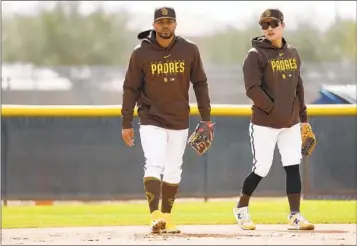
115, 110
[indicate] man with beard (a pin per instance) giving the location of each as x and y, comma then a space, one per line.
158, 79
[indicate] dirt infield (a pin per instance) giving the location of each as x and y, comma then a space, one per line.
196, 235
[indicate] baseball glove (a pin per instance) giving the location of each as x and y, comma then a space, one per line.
201, 138
308, 139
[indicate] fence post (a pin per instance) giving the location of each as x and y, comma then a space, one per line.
305, 178
205, 166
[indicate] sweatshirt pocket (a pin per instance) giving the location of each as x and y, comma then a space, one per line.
177, 111
263, 111
282, 111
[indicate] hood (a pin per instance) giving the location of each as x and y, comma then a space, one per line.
262, 42
148, 38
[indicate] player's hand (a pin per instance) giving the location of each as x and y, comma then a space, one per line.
128, 136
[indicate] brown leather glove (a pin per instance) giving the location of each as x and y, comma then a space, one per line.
308, 139
201, 138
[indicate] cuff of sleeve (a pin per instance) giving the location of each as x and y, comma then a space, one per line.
205, 117
303, 118
271, 108
268, 111
126, 124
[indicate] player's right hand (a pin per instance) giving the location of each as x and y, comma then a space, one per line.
128, 136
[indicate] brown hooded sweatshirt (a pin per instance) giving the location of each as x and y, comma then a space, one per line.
158, 81
273, 82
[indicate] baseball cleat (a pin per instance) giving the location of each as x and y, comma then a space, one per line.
243, 218
169, 227
157, 222
298, 222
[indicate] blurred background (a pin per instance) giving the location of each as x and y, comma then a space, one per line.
76, 52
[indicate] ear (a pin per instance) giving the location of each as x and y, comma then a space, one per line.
283, 24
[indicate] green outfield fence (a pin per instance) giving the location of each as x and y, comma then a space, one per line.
76, 153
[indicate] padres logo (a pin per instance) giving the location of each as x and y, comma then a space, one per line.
164, 12
267, 13
150, 196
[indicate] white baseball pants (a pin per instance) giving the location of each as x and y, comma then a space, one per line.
263, 141
163, 151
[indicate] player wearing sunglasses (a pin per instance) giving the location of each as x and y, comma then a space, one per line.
272, 80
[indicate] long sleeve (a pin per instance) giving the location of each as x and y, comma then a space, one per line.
200, 86
301, 96
300, 93
131, 90
253, 74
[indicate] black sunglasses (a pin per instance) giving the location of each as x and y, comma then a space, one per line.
273, 23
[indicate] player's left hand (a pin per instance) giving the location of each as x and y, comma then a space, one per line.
308, 139
202, 137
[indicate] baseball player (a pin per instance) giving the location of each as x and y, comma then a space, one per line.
273, 82
158, 81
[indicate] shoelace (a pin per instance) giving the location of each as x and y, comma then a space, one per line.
245, 215
300, 217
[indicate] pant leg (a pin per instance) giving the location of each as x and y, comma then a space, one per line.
263, 141
289, 144
154, 144
177, 142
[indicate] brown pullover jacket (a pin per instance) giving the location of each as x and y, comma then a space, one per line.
273, 82
158, 81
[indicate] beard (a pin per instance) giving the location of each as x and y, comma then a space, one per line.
165, 35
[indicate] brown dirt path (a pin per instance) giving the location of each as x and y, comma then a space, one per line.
331, 234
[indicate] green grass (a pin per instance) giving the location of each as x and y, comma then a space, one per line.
263, 211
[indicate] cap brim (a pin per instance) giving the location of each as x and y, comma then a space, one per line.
165, 17
267, 18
